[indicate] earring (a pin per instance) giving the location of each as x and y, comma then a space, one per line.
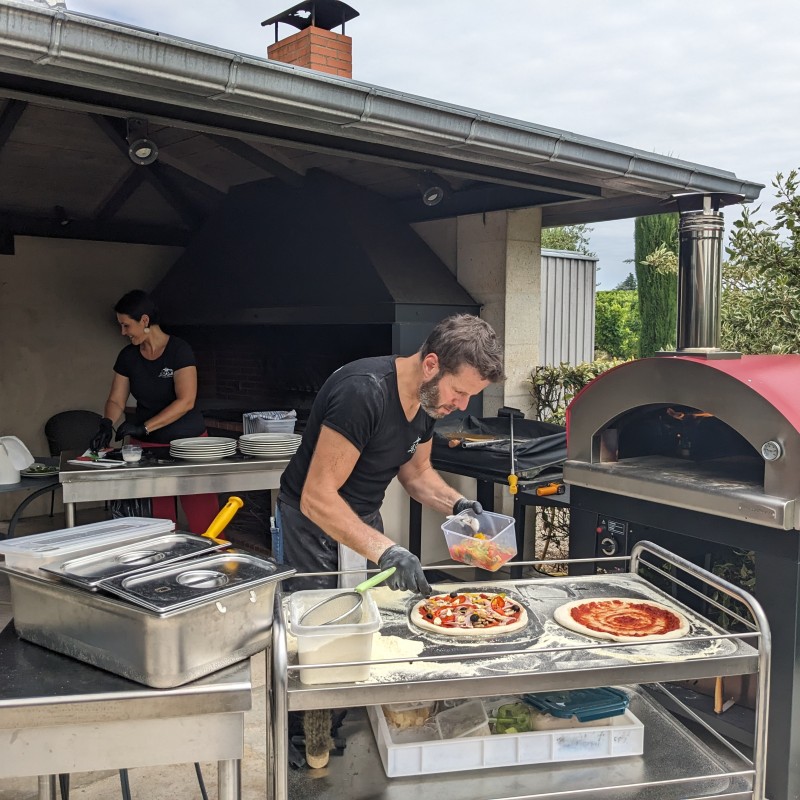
147, 329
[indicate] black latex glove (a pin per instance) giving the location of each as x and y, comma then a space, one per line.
408, 573
463, 504
131, 429
103, 436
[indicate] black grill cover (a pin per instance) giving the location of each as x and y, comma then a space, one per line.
539, 447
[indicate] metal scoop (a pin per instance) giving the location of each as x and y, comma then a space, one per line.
344, 608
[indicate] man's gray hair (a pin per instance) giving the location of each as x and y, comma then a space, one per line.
466, 340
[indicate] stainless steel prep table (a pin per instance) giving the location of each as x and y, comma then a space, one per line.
531, 660
91, 484
59, 715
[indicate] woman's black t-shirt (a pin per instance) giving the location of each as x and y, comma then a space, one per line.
361, 402
153, 386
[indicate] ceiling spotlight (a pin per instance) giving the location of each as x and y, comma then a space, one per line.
142, 150
432, 187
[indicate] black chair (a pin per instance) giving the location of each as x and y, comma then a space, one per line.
70, 430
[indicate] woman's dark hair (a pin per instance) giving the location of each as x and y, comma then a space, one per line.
465, 340
136, 304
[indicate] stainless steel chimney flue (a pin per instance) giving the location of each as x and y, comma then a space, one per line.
699, 280
701, 231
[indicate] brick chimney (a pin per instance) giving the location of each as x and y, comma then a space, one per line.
315, 46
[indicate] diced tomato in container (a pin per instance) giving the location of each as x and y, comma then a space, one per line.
486, 540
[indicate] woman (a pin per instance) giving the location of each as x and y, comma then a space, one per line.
159, 371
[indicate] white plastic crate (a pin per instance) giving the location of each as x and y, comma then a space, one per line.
31, 552
624, 736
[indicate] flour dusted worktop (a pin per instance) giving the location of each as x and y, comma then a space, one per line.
412, 665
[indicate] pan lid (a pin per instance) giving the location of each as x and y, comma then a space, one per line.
190, 583
90, 570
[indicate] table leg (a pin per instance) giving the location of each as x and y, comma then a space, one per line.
47, 787
229, 779
414, 527
520, 509
51, 487
69, 515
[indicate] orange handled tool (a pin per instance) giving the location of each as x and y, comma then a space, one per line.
220, 522
505, 411
550, 488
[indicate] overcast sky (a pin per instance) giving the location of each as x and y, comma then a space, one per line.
714, 82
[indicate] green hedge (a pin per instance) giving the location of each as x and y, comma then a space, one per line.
617, 323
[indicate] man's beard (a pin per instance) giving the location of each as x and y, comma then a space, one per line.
429, 399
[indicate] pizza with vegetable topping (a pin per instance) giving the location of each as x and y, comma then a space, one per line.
622, 619
470, 614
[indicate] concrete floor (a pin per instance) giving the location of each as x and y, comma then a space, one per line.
174, 782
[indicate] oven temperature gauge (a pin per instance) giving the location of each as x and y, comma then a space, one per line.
771, 451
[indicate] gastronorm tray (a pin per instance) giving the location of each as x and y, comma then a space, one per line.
90, 570
200, 580
159, 650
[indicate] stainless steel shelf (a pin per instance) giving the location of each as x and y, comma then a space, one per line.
671, 754
513, 664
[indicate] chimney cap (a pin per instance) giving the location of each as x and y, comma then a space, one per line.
326, 14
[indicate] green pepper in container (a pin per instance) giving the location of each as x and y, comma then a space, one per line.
513, 718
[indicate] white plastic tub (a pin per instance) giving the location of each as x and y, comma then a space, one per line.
28, 553
489, 547
622, 736
332, 644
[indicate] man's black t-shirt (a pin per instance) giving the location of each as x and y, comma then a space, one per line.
361, 402
153, 386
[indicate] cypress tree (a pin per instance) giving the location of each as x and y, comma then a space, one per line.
658, 288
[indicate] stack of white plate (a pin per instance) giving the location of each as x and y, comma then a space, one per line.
202, 448
270, 445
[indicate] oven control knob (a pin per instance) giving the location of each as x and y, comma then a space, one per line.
608, 546
771, 451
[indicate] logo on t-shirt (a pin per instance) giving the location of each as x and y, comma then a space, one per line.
413, 448
166, 372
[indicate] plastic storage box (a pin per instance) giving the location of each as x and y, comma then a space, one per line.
585, 705
31, 552
489, 547
623, 736
463, 721
332, 644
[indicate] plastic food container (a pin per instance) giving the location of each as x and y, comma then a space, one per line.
489, 547
31, 552
585, 705
620, 736
332, 644
468, 719
409, 715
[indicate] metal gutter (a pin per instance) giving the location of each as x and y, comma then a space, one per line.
75, 49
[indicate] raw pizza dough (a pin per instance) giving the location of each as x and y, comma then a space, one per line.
495, 630
624, 613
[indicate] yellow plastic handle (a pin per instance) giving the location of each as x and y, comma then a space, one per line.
512, 484
226, 514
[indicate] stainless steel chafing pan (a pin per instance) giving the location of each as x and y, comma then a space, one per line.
159, 650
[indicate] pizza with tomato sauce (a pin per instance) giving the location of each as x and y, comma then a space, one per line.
470, 614
622, 619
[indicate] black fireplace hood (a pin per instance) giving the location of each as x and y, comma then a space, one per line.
326, 252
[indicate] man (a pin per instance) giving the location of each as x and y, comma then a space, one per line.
371, 421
